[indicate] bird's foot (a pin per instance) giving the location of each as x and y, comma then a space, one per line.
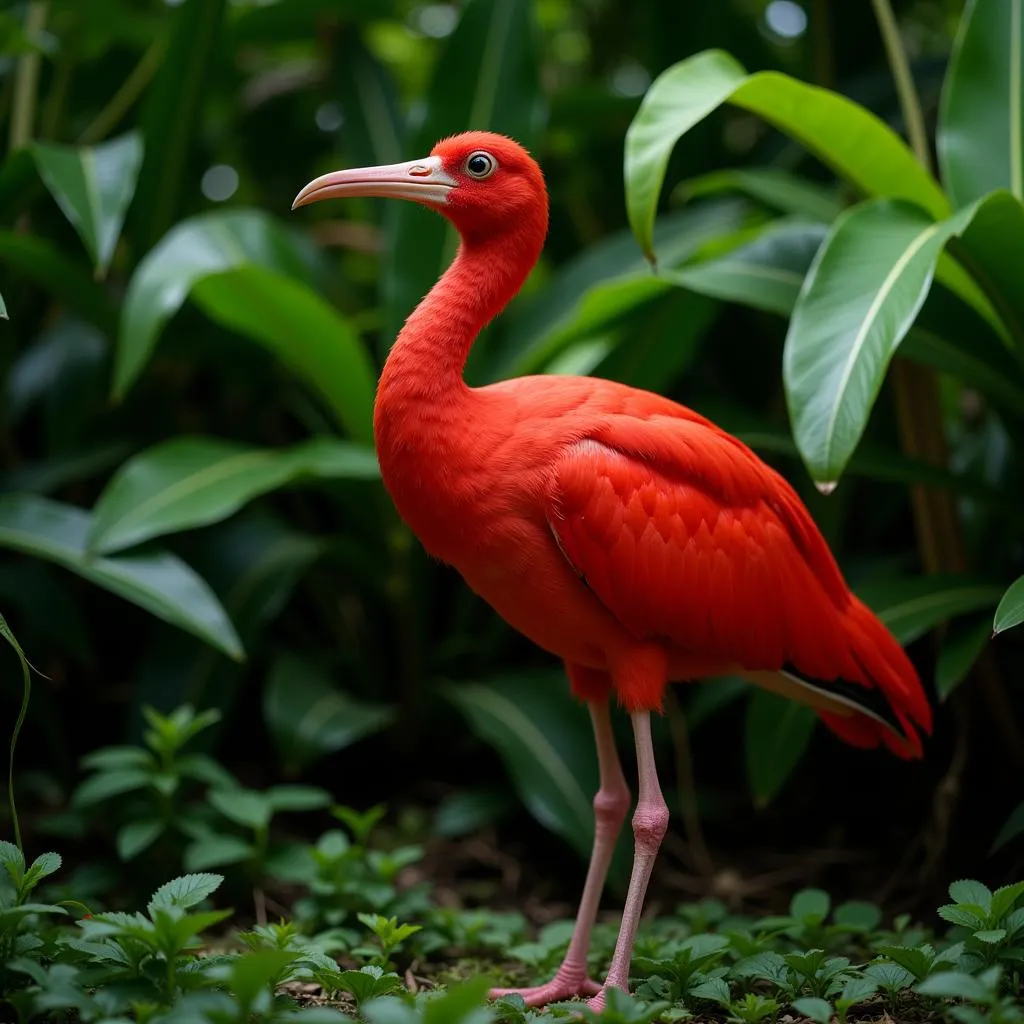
597, 1002
567, 983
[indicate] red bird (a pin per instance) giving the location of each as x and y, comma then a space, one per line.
618, 530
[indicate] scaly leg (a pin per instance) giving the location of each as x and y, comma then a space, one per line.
610, 806
650, 823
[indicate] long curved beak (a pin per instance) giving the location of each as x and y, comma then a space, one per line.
423, 181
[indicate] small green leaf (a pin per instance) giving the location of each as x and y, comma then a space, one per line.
215, 851
298, 798
1010, 612
991, 936
859, 915
137, 836
788, 193
965, 915
93, 185
810, 905
856, 990
156, 580
194, 481
253, 973
853, 142
245, 807
967, 890
954, 985
108, 783
777, 733
185, 891
814, 1009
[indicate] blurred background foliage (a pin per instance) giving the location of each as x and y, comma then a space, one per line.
189, 504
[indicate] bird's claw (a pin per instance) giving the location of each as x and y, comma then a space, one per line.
559, 988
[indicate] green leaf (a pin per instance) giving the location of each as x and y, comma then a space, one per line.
496, 88
244, 807
173, 114
106, 784
137, 836
967, 890
93, 185
765, 273
781, 190
1010, 611
954, 985
311, 338
42, 262
853, 142
215, 851
308, 717
605, 282
856, 990
961, 647
810, 906
859, 299
777, 734
253, 973
546, 746
185, 891
194, 249
814, 1009
911, 607
194, 481
298, 798
1012, 827
156, 580
980, 135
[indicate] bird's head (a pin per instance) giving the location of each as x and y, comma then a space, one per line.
487, 185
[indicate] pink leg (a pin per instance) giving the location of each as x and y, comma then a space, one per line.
610, 806
650, 823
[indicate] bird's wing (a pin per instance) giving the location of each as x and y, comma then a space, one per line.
688, 538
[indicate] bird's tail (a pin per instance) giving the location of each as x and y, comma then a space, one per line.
887, 670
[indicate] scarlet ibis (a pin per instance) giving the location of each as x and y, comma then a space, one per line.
620, 531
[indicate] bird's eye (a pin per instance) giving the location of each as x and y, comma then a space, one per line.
481, 164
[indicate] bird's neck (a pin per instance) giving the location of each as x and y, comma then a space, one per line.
426, 363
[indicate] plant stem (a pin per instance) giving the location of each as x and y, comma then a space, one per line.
910, 102
26, 80
106, 120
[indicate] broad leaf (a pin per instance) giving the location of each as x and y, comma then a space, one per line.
309, 336
156, 580
601, 285
546, 745
852, 141
777, 733
93, 185
858, 301
194, 249
185, 891
495, 87
1010, 611
765, 273
195, 481
785, 192
42, 262
980, 137
308, 717
961, 648
911, 607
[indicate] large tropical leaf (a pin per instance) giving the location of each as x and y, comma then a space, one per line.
195, 481
485, 78
156, 580
309, 336
195, 249
980, 138
858, 301
777, 734
852, 141
788, 193
93, 185
546, 744
1010, 612
911, 607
